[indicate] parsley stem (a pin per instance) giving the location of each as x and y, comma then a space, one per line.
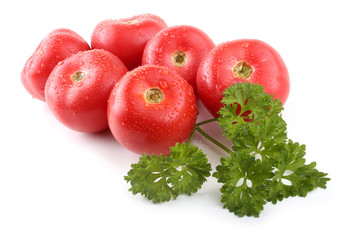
213, 140
191, 137
206, 121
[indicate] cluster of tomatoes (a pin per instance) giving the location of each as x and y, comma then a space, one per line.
142, 79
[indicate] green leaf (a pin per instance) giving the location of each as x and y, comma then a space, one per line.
245, 183
191, 168
243, 103
260, 139
160, 178
149, 177
290, 167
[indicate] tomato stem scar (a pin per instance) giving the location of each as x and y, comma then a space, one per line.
179, 58
78, 76
154, 95
242, 70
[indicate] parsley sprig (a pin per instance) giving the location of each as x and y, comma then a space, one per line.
160, 178
262, 166
272, 165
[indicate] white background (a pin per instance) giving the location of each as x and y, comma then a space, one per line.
60, 184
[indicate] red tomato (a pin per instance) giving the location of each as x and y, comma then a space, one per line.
56, 46
180, 48
241, 60
126, 38
151, 109
78, 88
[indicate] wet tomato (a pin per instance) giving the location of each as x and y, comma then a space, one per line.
180, 48
55, 47
126, 38
151, 109
78, 89
247, 60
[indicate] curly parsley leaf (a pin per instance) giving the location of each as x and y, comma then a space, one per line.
192, 168
260, 139
245, 183
243, 103
290, 167
160, 178
149, 178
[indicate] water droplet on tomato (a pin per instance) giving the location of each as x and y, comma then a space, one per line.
173, 83
81, 63
164, 72
163, 83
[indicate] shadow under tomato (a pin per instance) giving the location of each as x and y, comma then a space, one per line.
105, 145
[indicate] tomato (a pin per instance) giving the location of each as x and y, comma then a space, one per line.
126, 38
151, 109
180, 48
56, 46
78, 88
248, 60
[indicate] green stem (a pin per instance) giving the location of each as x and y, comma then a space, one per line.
213, 140
191, 137
205, 122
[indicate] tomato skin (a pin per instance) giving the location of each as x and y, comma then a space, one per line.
82, 106
215, 72
142, 126
55, 47
126, 38
188, 39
